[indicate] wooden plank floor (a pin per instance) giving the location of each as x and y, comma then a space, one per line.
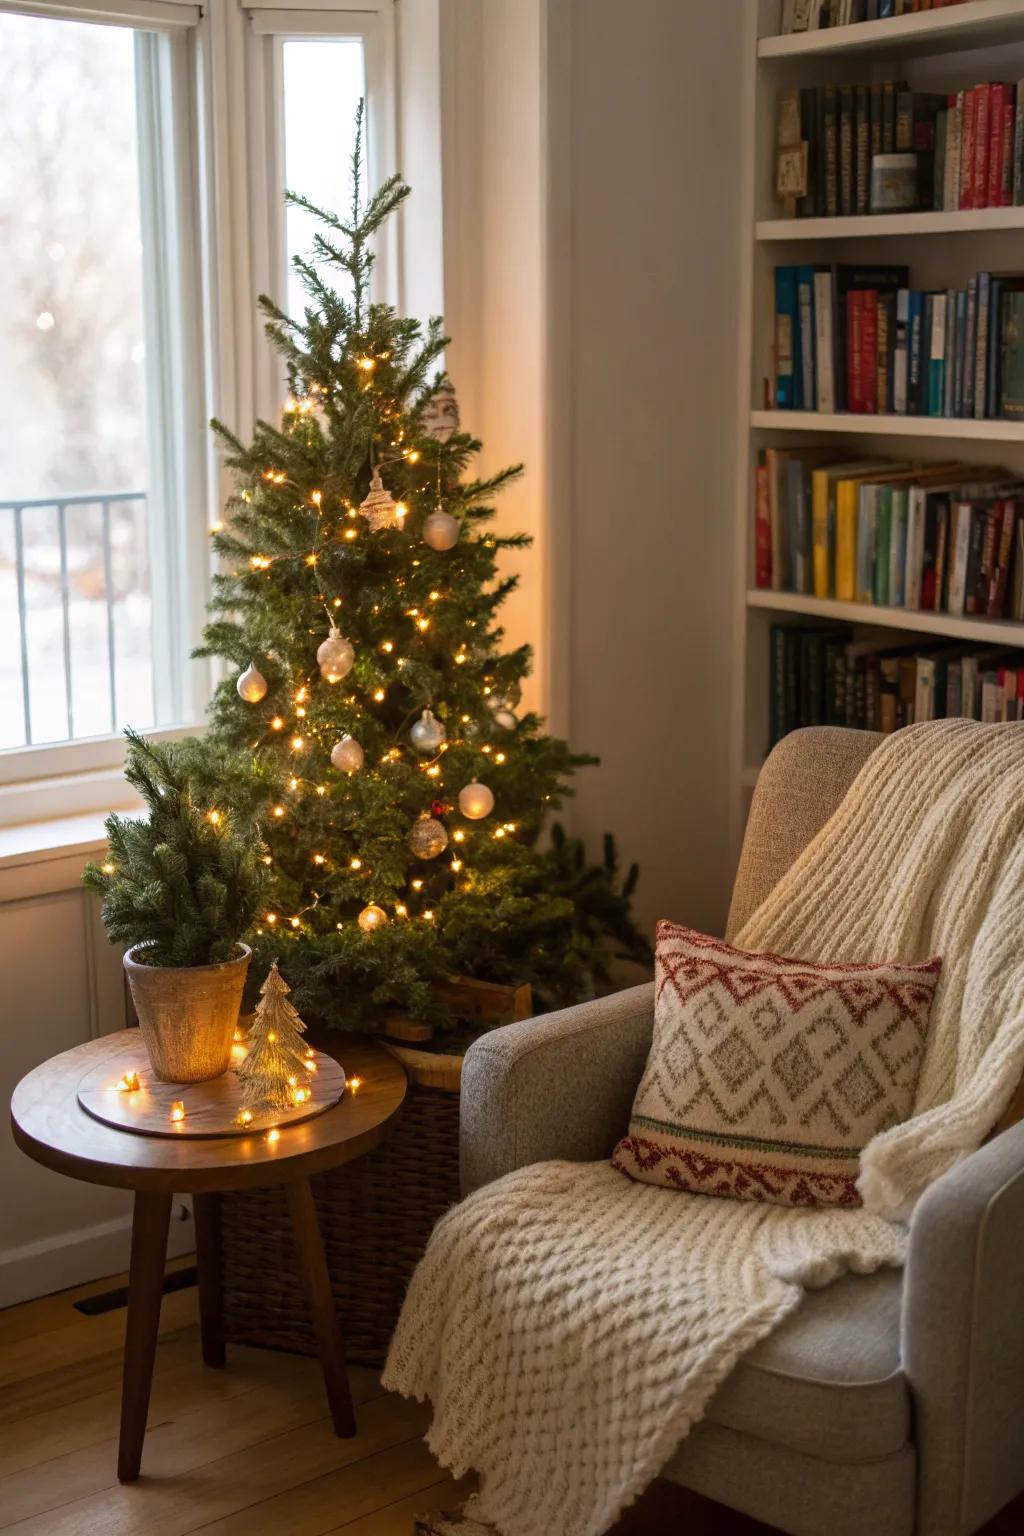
247, 1451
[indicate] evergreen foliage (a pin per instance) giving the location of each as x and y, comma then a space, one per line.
297, 557
186, 881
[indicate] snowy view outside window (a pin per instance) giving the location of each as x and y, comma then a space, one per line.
76, 613
74, 583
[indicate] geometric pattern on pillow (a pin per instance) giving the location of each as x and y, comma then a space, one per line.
767, 1076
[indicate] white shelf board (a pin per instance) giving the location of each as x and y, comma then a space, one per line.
952, 627
873, 225
949, 428
975, 24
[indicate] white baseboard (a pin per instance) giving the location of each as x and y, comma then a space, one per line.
75, 1258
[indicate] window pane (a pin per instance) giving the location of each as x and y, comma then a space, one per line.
323, 81
74, 576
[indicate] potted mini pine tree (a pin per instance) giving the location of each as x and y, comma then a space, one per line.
180, 887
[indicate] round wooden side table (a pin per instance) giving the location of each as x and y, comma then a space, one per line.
51, 1127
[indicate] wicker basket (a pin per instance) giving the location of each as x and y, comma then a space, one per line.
375, 1215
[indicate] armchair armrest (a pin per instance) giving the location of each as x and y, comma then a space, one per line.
963, 1337
559, 1086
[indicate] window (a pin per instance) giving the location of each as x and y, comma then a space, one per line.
147, 147
88, 614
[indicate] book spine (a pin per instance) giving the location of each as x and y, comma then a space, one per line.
847, 201
949, 360
1001, 562
904, 121
1018, 147
846, 540
897, 547
869, 350
993, 350
762, 526
785, 337
888, 117
1011, 395
820, 541
996, 112
830, 148
981, 345
937, 356
951, 170
854, 350
960, 533
883, 535
959, 360
1006, 152
901, 355
970, 343
862, 149
885, 317
915, 547
807, 206
823, 329
805, 295
975, 545
778, 683
865, 577
967, 150
914, 370
979, 175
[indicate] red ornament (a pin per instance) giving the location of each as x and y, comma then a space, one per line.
437, 808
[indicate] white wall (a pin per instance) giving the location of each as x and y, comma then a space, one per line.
591, 265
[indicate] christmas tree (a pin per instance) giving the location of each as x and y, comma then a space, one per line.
369, 722
274, 1069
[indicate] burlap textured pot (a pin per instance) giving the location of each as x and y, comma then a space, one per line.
188, 1014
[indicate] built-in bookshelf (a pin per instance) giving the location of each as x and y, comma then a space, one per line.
942, 51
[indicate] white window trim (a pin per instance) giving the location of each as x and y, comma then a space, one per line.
219, 137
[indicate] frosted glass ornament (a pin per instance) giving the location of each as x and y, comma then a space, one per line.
476, 801
371, 918
252, 685
441, 530
379, 506
505, 718
336, 656
428, 734
441, 415
347, 755
428, 838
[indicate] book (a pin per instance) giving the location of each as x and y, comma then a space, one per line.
1011, 394
937, 355
824, 323
806, 349
824, 481
762, 525
786, 338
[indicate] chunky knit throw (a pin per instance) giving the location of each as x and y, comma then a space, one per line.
570, 1327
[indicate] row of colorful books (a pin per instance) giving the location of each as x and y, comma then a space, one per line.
811, 15
941, 538
825, 677
860, 339
968, 148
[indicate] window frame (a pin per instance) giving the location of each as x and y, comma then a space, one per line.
214, 133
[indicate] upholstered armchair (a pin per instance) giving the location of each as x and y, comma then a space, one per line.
889, 1404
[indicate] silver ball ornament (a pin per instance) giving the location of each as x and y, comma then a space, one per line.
505, 718
347, 755
476, 801
428, 838
428, 734
252, 685
441, 530
371, 918
336, 656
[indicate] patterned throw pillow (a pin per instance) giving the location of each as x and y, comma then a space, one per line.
768, 1076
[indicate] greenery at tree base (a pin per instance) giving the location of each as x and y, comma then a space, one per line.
185, 885
297, 558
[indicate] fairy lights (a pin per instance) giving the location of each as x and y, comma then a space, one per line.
177, 1111
129, 1083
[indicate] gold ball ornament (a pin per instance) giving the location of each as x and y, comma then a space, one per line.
252, 685
335, 656
441, 530
379, 506
428, 838
428, 734
347, 755
476, 801
371, 918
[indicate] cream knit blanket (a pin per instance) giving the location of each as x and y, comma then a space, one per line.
570, 1327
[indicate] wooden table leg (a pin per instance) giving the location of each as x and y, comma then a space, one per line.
302, 1209
150, 1222
206, 1209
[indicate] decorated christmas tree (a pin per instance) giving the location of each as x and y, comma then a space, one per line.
274, 1068
370, 720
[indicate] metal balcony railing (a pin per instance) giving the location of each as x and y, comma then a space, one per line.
95, 558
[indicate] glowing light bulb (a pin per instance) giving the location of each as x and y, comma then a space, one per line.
177, 1111
279, 810
108, 868
244, 1116
355, 863
318, 858
378, 694
355, 1083
214, 817
271, 918
295, 922
277, 724
273, 1135
297, 743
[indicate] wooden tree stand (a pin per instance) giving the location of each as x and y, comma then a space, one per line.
375, 1215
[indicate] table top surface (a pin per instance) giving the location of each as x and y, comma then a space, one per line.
50, 1126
